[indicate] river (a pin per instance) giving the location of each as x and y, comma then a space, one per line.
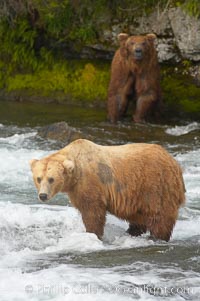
45, 253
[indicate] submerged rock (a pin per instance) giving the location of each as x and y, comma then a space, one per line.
60, 131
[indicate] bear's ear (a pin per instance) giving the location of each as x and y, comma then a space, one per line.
68, 165
151, 36
122, 37
32, 162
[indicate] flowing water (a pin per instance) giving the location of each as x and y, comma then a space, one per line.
45, 253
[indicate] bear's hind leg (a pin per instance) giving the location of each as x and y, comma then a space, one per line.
162, 230
136, 229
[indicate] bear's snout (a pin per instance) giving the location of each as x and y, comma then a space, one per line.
138, 53
43, 197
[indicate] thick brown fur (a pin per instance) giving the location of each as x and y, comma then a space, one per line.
135, 74
140, 183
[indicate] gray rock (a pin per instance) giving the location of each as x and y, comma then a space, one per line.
166, 51
186, 31
178, 34
61, 132
195, 73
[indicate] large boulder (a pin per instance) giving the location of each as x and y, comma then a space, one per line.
186, 31
60, 131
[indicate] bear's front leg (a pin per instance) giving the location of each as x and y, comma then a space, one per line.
94, 218
113, 108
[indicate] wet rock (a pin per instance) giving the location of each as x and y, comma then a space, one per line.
61, 132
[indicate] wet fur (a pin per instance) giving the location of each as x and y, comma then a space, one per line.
139, 183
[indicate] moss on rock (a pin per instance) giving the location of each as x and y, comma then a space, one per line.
180, 94
78, 81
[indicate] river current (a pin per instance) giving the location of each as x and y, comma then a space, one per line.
45, 253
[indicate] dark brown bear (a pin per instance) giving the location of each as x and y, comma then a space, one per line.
134, 75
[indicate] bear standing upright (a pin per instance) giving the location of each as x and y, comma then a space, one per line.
135, 74
140, 183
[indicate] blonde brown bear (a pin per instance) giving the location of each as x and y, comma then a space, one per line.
140, 183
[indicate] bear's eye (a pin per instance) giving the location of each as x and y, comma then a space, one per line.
132, 42
51, 180
39, 180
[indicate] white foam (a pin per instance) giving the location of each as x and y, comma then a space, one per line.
15, 167
56, 229
32, 229
191, 172
36, 228
81, 242
185, 229
66, 282
17, 139
62, 283
190, 156
182, 130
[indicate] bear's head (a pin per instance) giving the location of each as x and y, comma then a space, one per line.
52, 176
136, 47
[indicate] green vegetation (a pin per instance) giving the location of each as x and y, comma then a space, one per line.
78, 81
192, 7
179, 92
